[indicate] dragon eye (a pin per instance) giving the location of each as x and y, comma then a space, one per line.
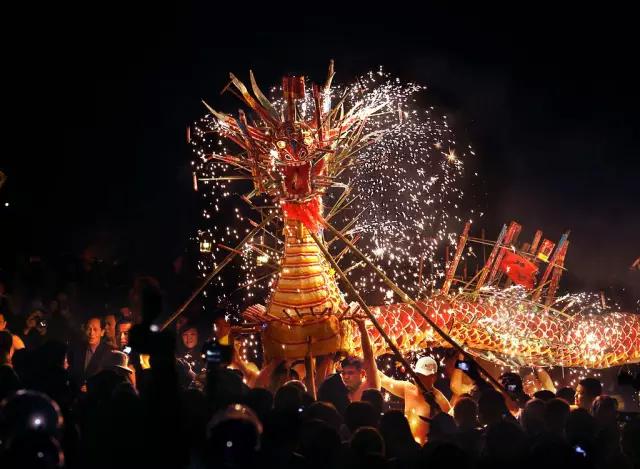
281, 144
308, 140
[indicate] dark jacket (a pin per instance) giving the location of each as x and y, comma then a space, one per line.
76, 356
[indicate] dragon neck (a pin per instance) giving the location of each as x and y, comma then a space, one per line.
306, 289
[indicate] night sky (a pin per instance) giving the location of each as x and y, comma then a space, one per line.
102, 98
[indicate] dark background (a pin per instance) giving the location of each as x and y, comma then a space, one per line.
99, 98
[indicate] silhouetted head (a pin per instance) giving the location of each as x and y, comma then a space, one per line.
395, 430
465, 413
319, 444
556, 413
260, 400
373, 397
360, 414
326, 412
233, 437
367, 440
288, 398
532, 417
588, 389
491, 407
504, 442
605, 410
567, 394
544, 395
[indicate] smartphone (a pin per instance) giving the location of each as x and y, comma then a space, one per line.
217, 354
511, 387
462, 365
580, 450
126, 350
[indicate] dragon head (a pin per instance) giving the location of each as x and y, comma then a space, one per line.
287, 150
294, 148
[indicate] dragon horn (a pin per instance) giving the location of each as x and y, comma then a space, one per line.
218, 115
264, 114
261, 97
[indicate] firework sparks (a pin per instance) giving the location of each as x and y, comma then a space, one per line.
374, 165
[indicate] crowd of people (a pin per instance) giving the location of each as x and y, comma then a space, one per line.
113, 390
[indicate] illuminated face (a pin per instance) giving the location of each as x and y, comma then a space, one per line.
190, 338
123, 334
583, 400
427, 381
93, 331
352, 377
110, 327
33, 319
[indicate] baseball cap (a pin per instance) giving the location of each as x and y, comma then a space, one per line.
426, 366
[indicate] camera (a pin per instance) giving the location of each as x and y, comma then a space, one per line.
462, 365
217, 354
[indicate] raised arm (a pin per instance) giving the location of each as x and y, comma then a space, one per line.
370, 367
460, 383
249, 373
545, 380
394, 386
264, 376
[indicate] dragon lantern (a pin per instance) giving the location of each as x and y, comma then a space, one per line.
293, 157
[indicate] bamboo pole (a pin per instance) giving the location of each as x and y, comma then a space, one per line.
552, 263
365, 308
420, 275
415, 306
310, 370
555, 276
216, 271
534, 244
494, 252
456, 259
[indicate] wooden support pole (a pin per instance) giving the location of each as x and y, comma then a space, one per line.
420, 267
451, 272
552, 263
512, 234
555, 276
309, 366
536, 240
494, 252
